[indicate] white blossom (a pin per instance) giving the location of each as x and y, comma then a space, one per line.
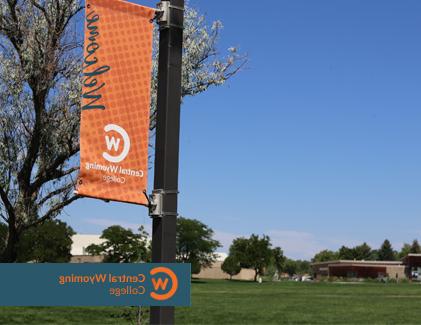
40, 90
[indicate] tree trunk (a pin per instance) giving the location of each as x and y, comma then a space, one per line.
139, 315
10, 254
256, 274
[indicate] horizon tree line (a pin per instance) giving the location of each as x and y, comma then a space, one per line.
51, 242
364, 252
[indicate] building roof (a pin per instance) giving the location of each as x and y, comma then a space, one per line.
365, 265
413, 260
357, 262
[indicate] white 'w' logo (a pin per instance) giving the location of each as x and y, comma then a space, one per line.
112, 143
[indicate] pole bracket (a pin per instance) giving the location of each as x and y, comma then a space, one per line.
165, 18
156, 203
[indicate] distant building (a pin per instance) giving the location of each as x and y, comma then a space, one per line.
78, 251
413, 265
87, 259
215, 271
409, 267
359, 269
81, 242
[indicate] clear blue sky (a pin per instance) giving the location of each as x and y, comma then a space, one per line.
316, 143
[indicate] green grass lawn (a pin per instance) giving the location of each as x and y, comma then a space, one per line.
226, 302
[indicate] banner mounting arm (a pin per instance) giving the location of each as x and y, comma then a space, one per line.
157, 203
164, 15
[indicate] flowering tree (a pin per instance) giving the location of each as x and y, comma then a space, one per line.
40, 70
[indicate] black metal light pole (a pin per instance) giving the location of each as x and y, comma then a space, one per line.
167, 141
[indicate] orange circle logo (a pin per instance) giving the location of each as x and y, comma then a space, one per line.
161, 284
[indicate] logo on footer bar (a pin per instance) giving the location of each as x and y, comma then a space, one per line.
163, 289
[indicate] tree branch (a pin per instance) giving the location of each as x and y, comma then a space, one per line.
72, 15
9, 207
24, 175
51, 213
50, 195
42, 9
3, 217
51, 173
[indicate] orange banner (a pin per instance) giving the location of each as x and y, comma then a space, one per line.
115, 101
